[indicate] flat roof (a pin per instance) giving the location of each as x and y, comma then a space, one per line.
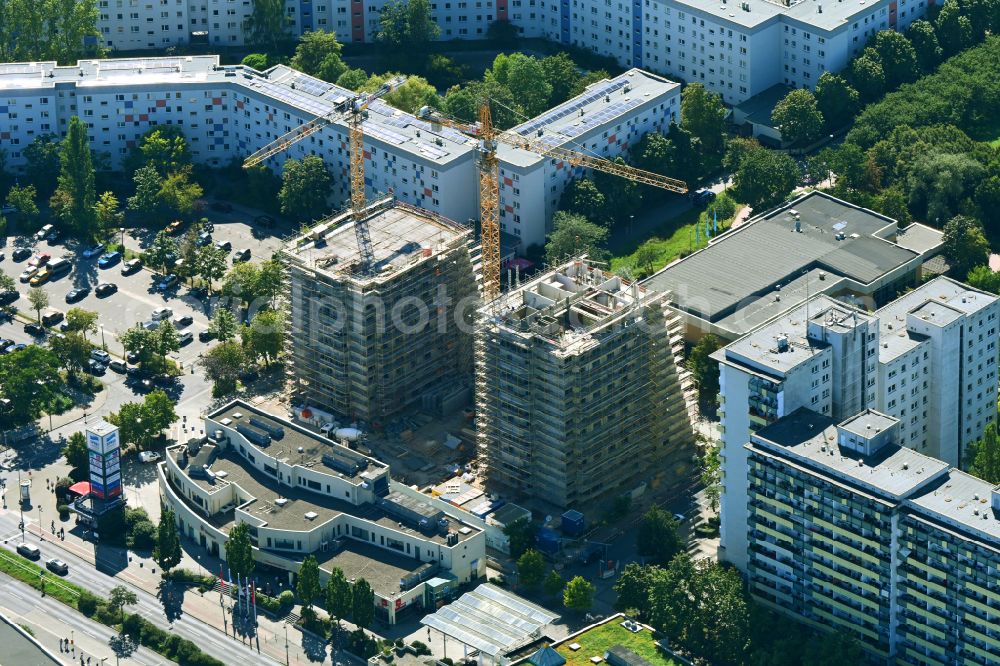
401, 235
286, 449
384, 569
758, 12
751, 261
808, 437
20, 648
599, 105
965, 501
867, 423
759, 108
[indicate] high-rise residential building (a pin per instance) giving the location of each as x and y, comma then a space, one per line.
577, 390
228, 112
852, 532
837, 360
368, 341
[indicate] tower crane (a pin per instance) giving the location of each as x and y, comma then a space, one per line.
489, 198
353, 110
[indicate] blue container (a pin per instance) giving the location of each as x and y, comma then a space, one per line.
548, 541
573, 523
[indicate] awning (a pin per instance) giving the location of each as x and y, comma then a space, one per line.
80, 488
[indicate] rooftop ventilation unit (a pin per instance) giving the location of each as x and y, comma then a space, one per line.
782, 343
276, 432
254, 436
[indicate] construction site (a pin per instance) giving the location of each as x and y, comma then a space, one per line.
578, 395
370, 338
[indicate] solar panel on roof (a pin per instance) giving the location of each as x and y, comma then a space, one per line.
433, 151
386, 135
312, 86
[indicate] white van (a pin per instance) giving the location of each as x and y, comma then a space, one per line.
43, 232
185, 336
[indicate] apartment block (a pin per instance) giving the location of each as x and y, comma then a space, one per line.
838, 360
368, 341
229, 112
852, 532
577, 391
301, 494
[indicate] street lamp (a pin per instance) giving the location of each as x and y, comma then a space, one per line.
41, 532
103, 343
122, 230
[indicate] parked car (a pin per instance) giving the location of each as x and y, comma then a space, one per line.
44, 231
18, 347
34, 330
109, 259
53, 236
41, 277
702, 197
185, 337
222, 206
182, 320
95, 368
20, 254
168, 282
28, 273
8, 297
100, 356
29, 550
148, 456
105, 289
77, 294
93, 251
162, 313
118, 366
57, 566
132, 357
150, 325
52, 317
224, 245
206, 336
40, 259
174, 227
131, 266
203, 239
241, 255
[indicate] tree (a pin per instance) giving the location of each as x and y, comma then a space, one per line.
139, 423
646, 256
553, 584
39, 300
964, 245
307, 586
164, 148
210, 264
362, 603
527, 81
223, 325
982, 277
304, 188
223, 364
23, 199
867, 76
704, 116
521, 534
30, 379
622, 196
239, 550
72, 350
582, 197
122, 645
702, 605
77, 455
146, 199
572, 235
120, 597
353, 79
318, 54
265, 336
338, 596
408, 26
658, 538
160, 251
632, 588
258, 61
415, 92
177, 192
655, 153
140, 341
925, 43
797, 116
531, 568
764, 178
81, 321
891, 202
166, 339
984, 455
42, 163
898, 58
108, 212
267, 26
703, 369
167, 551
711, 475
270, 282
579, 594
953, 29
562, 74
76, 180
836, 100
939, 183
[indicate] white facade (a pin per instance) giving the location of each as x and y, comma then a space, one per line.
928, 359
229, 112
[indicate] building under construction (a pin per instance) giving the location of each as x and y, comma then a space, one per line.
578, 397
371, 340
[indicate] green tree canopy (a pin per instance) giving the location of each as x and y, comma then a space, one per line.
339, 597
704, 116
77, 455
582, 197
982, 277
307, 586
353, 79
264, 338
798, 118
318, 54
39, 300
223, 364
579, 594
984, 455
167, 552
362, 603
42, 163
898, 57
531, 569
267, 26
658, 538
925, 44
23, 199
30, 379
703, 369
407, 26
305, 185
239, 550
572, 235
61, 30
868, 76
562, 74
953, 28
964, 244
633, 587
553, 584
764, 178
939, 183
521, 534
75, 194
139, 423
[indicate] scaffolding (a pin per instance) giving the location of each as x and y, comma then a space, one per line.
577, 390
368, 343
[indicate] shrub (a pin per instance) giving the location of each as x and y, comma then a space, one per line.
286, 599
421, 648
86, 603
63, 511
133, 626
105, 616
152, 636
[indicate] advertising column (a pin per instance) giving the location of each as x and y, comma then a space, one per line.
105, 464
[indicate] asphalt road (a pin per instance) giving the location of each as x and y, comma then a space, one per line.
209, 639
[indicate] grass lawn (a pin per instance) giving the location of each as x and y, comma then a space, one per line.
675, 238
596, 641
